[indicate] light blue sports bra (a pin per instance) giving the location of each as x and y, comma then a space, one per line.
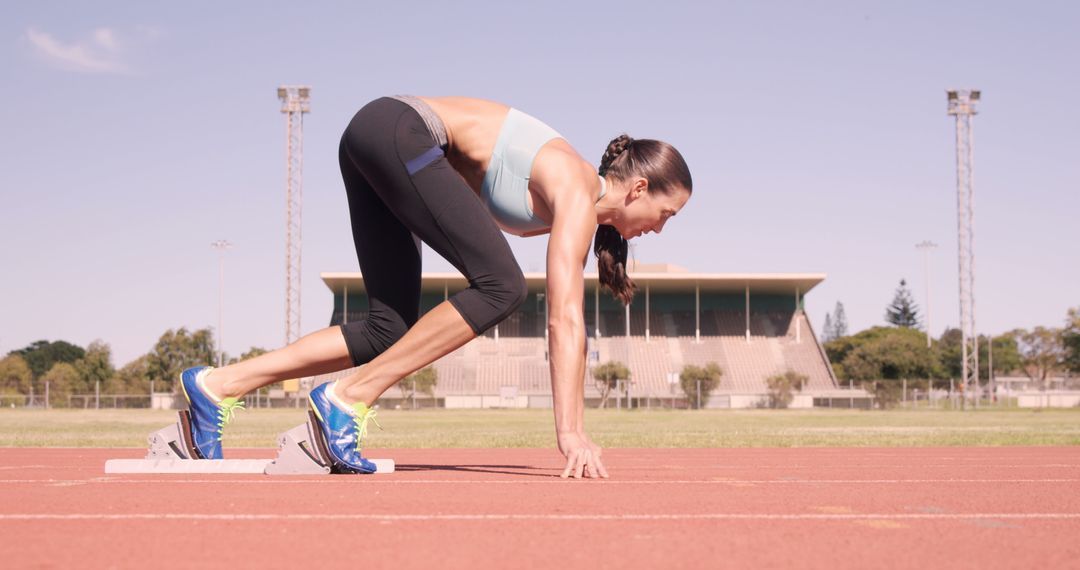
505, 190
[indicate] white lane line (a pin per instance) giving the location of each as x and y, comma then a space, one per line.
737, 465
541, 517
751, 467
360, 480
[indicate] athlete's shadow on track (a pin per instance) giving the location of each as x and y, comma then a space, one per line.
493, 469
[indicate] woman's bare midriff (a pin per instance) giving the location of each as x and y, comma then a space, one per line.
472, 127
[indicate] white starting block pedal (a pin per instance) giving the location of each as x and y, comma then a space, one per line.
302, 451
170, 452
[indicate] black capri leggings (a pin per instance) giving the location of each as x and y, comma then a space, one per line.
402, 191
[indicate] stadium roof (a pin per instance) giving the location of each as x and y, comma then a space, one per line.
660, 278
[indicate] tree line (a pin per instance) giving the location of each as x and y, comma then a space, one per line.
70, 369
889, 354
885, 354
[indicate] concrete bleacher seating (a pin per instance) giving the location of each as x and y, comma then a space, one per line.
778, 341
807, 358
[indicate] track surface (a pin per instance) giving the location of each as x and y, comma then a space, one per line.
507, 508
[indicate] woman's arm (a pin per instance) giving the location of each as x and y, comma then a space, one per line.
566, 329
568, 247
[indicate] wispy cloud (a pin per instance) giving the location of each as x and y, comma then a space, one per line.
101, 52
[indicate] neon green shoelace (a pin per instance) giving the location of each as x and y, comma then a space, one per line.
363, 415
226, 411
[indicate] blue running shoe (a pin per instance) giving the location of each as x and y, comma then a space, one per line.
207, 418
343, 430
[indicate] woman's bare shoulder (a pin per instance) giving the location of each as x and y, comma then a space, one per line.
558, 164
568, 184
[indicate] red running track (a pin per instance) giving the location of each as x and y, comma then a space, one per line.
1003, 507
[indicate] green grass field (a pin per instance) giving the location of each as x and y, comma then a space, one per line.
610, 428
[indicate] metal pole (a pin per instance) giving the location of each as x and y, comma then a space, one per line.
646, 311
699, 393
925, 246
596, 307
926, 279
976, 394
221, 245
545, 315
961, 104
697, 312
97, 395
798, 318
295, 102
990, 369
747, 312
221, 306
971, 243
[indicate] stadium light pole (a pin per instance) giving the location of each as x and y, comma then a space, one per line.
925, 246
961, 104
295, 102
220, 245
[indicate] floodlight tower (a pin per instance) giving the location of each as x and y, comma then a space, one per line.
962, 106
295, 101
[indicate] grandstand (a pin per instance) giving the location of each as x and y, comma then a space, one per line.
752, 325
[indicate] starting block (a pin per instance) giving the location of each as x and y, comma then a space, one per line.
301, 451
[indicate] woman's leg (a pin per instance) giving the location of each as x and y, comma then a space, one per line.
320, 352
391, 203
416, 182
389, 258
439, 332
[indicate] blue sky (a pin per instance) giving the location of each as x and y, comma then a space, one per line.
137, 133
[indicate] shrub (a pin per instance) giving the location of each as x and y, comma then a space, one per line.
709, 378
607, 376
783, 386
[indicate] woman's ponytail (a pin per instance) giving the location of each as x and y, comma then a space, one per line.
608, 245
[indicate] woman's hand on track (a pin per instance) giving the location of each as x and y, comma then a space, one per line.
582, 456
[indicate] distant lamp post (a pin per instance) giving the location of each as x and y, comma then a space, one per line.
925, 247
220, 245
